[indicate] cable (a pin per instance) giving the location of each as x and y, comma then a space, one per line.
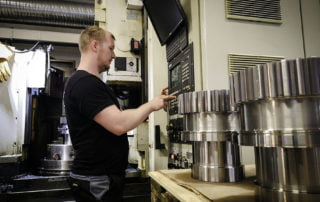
25, 51
302, 30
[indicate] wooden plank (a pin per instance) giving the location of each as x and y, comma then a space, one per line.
176, 190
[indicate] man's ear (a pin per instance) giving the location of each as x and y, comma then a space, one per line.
93, 45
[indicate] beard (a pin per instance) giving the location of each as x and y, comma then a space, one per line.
104, 68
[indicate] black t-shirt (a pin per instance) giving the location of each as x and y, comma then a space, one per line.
97, 150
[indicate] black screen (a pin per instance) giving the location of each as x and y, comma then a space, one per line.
166, 16
175, 77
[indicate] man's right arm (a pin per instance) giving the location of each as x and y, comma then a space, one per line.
119, 122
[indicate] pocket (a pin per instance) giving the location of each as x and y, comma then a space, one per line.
75, 184
80, 190
99, 187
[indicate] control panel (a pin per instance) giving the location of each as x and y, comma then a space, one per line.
180, 80
178, 42
174, 130
181, 76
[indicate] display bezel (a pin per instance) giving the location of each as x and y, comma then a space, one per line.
153, 9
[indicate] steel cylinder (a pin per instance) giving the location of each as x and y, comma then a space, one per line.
59, 152
216, 161
292, 169
211, 124
279, 109
58, 160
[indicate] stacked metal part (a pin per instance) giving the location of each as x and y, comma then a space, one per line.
279, 105
211, 124
59, 158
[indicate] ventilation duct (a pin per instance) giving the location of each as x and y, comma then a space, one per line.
60, 13
241, 62
268, 11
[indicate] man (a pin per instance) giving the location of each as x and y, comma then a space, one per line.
97, 126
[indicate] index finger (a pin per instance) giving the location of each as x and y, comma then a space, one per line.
169, 97
164, 89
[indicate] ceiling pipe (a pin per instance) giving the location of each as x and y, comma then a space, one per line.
61, 13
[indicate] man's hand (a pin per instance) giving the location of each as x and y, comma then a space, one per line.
161, 102
119, 122
164, 91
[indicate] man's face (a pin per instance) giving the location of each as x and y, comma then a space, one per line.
106, 53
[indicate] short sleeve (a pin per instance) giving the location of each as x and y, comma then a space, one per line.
91, 96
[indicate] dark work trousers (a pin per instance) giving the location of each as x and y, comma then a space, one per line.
81, 190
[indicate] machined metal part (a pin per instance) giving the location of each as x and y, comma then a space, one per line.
284, 79
314, 74
59, 152
272, 117
285, 139
58, 160
237, 87
211, 124
289, 169
216, 161
55, 167
279, 114
267, 195
216, 158
209, 173
204, 101
210, 136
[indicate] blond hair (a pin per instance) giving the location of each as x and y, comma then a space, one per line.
92, 33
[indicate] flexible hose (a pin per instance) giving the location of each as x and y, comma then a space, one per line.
48, 12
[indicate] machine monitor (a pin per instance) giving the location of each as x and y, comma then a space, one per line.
175, 77
166, 17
